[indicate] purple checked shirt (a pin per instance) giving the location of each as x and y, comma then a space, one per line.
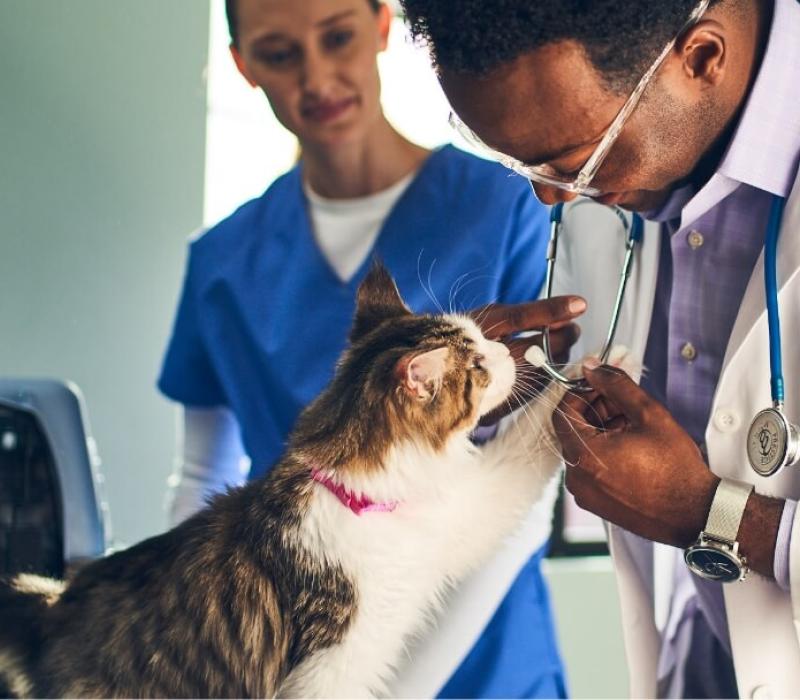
711, 240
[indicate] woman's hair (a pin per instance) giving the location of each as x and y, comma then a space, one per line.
230, 12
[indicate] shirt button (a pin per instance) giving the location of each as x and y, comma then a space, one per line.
688, 352
695, 239
762, 692
726, 420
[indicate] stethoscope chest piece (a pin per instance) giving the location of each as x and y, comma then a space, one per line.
772, 442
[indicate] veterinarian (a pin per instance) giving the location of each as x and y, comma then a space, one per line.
269, 296
706, 158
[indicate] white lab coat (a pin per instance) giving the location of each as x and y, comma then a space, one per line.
764, 620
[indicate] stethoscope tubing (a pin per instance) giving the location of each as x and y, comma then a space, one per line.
635, 230
785, 444
771, 292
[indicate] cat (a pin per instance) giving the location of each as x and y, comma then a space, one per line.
307, 582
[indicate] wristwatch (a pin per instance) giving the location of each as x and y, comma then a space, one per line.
715, 554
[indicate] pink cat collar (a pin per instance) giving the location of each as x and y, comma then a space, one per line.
358, 504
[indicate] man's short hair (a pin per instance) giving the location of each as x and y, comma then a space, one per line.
621, 37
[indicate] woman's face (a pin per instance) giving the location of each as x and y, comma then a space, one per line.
316, 62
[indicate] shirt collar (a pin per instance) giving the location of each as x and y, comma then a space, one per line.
765, 147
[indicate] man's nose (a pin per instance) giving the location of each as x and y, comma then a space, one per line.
547, 194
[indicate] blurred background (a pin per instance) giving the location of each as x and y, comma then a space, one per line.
125, 128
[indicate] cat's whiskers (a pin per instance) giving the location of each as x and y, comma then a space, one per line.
455, 288
428, 288
461, 283
548, 441
488, 331
556, 409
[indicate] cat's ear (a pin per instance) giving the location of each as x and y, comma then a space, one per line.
421, 375
377, 300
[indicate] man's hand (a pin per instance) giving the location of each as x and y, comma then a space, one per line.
629, 462
505, 321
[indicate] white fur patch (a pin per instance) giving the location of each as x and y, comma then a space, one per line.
49, 588
14, 676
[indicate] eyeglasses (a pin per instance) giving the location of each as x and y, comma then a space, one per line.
581, 184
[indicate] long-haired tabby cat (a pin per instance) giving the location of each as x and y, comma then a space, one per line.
309, 581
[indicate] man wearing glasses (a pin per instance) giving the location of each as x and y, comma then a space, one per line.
689, 114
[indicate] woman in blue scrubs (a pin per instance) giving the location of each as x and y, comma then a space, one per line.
269, 295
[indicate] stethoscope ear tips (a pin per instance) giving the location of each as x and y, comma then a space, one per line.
535, 355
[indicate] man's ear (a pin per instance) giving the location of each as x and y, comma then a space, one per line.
377, 301
241, 65
704, 52
421, 375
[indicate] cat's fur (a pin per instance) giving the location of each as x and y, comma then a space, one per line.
277, 588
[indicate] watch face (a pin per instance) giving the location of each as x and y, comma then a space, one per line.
766, 442
713, 563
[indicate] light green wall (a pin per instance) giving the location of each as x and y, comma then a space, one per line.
102, 138
586, 605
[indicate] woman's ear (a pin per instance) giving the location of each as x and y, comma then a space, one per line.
421, 375
241, 65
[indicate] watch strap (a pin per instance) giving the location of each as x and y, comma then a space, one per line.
727, 509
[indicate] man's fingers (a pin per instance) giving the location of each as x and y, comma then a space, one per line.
561, 340
571, 424
501, 320
617, 386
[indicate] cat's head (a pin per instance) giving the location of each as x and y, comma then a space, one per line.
405, 377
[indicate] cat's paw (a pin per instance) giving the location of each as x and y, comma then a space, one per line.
620, 356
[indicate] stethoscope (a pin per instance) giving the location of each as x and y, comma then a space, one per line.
634, 227
772, 441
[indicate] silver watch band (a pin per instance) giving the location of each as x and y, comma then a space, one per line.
727, 509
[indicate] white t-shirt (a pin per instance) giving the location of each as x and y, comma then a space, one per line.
345, 229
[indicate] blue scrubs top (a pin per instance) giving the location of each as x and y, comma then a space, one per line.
263, 318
